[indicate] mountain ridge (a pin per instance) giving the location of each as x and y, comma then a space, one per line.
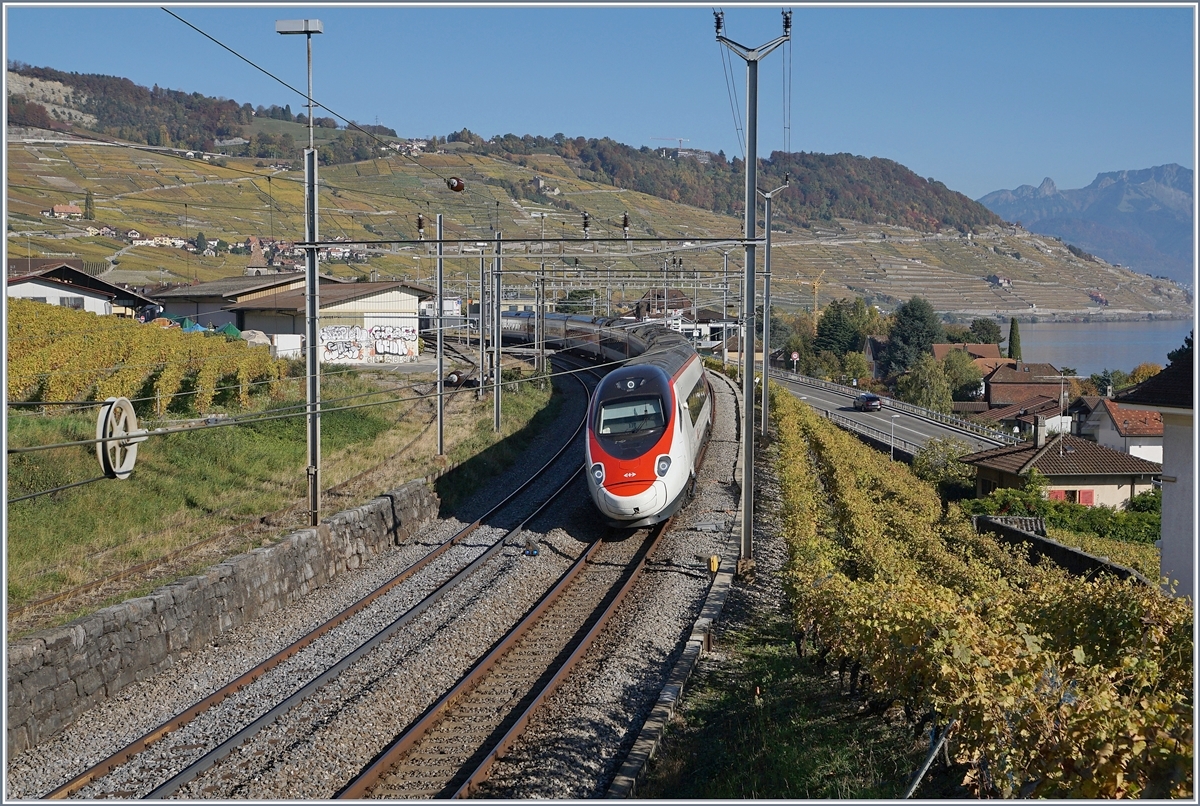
1141, 218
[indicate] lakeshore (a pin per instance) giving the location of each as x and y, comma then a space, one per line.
1089, 347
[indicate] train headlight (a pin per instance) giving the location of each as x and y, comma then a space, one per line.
662, 465
598, 472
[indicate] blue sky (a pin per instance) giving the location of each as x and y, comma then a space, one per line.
978, 98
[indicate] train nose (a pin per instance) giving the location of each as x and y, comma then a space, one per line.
635, 505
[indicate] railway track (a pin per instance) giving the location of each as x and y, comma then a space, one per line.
260, 745
450, 749
451, 562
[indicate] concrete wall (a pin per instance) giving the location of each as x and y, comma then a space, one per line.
57, 674
1178, 513
1080, 563
58, 294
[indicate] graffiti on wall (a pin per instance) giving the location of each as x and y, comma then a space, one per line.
381, 344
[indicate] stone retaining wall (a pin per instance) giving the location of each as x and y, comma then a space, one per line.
57, 674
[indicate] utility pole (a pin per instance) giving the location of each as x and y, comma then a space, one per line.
496, 330
725, 315
752, 56
312, 297
539, 321
695, 292
767, 306
482, 318
441, 350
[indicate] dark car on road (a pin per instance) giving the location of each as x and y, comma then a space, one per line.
868, 402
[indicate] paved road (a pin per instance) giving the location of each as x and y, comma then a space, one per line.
911, 430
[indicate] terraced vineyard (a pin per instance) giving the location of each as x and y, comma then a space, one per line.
379, 199
1048, 685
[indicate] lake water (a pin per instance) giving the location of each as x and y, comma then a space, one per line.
1090, 347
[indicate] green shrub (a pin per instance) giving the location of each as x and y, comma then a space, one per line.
1137, 524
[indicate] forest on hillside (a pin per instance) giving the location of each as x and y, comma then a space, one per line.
824, 187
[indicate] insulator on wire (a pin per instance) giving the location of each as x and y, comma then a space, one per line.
586, 223
420, 227
625, 224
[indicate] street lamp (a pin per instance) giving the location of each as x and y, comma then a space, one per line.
308, 28
311, 282
892, 441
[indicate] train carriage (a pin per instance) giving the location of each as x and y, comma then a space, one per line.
648, 418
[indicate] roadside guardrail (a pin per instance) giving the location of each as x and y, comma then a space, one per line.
899, 405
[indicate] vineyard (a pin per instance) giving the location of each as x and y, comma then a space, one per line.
1051, 686
59, 354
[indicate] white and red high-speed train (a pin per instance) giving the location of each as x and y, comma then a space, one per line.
648, 418
647, 422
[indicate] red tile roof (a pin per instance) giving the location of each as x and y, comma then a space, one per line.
1020, 372
989, 365
1133, 423
1063, 455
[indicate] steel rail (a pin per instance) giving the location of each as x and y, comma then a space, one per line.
481, 772
388, 758
211, 758
139, 745
361, 786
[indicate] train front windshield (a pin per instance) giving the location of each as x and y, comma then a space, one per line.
633, 416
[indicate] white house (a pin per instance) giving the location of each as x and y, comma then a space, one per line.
56, 292
1132, 431
1170, 394
1076, 469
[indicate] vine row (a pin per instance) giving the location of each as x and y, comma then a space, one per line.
1061, 687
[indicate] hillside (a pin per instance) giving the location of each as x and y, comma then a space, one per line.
1142, 219
848, 226
826, 186
160, 191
